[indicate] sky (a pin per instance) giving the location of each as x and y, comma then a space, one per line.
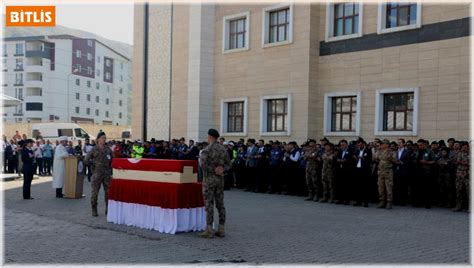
112, 21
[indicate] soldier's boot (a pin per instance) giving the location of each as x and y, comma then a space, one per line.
309, 198
389, 205
220, 231
458, 208
381, 204
315, 198
208, 233
94, 211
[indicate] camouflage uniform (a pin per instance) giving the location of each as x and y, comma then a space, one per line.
101, 160
312, 179
212, 156
328, 176
385, 174
462, 178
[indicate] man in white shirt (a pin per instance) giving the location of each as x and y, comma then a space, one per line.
38, 153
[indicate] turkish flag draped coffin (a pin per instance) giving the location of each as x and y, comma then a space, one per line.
161, 195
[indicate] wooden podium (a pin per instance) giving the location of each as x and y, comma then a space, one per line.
74, 176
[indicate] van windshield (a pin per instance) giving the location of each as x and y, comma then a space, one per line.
80, 133
65, 132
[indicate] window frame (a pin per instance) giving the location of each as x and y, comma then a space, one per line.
226, 32
264, 115
266, 25
327, 124
330, 23
382, 19
379, 112
224, 117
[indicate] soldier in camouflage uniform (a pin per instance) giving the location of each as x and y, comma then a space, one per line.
462, 176
385, 158
214, 161
328, 159
101, 159
312, 180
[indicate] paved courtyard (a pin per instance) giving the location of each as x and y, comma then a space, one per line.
261, 229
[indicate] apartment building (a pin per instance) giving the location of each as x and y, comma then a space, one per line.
296, 71
62, 78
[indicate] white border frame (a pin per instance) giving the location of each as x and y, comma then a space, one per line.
225, 32
378, 124
265, 26
328, 109
381, 18
263, 115
330, 24
223, 121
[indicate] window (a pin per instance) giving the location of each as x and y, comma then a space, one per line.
79, 68
398, 16
89, 43
78, 82
120, 115
235, 116
88, 97
19, 50
343, 21
65, 132
342, 114
19, 93
34, 106
97, 112
19, 79
98, 72
78, 54
80, 133
97, 85
19, 64
98, 59
278, 25
78, 96
89, 56
120, 102
88, 84
121, 77
120, 90
88, 111
97, 99
107, 75
275, 114
106, 113
107, 101
108, 62
89, 70
236, 32
77, 110
396, 112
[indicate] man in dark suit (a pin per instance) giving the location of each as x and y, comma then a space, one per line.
400, 180
251, 165
28, 158
363, 160
344, 168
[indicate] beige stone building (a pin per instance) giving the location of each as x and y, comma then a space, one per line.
296, 71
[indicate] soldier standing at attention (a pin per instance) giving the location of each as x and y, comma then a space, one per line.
385, 157
311, 171
462, 177
214, 162
329, 162
101, 159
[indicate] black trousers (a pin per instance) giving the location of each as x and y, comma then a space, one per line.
27, 179
343, 185
39, 166
400, 186
274, 180
362, 185
250, 178
261, 178
47, 164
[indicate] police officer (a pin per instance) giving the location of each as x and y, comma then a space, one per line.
385, 158
101, 159
28, 158
310, 156
214, 162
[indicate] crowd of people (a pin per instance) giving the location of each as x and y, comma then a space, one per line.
356, 172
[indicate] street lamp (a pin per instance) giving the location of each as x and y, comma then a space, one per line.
73, 72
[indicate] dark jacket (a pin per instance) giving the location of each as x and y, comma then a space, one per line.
28, 158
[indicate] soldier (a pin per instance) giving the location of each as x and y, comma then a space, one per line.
214, 161
310, 156
101, 159
385, 158
328, 159
462, 177
444, 178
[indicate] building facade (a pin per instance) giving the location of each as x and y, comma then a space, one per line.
61, 78
297, 71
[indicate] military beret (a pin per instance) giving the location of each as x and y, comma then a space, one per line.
214, 133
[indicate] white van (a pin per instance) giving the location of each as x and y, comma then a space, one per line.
52, 131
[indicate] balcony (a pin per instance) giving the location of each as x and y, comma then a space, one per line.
34, 61
34, 77
18, 68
